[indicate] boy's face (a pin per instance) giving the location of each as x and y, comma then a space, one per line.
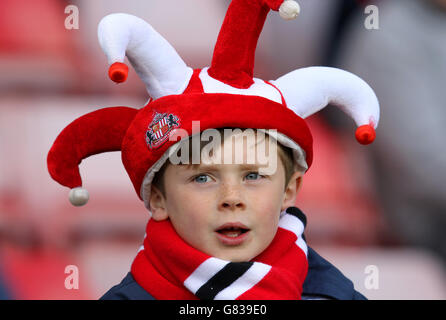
228, 211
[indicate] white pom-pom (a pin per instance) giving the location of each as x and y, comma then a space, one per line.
289, 10
78, 196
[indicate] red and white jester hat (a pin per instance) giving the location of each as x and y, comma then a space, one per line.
224, 95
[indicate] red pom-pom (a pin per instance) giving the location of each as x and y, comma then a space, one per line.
118, 72
365, 134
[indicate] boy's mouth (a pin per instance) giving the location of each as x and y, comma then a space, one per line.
232, 233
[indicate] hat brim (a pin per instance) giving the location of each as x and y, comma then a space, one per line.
213, 111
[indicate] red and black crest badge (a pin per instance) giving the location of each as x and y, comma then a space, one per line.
159, 129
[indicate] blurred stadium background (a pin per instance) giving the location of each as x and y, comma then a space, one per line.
383, 205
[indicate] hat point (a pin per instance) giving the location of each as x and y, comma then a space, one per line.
365, 134
118, 72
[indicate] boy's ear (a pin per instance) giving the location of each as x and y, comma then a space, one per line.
292, 190
157, 205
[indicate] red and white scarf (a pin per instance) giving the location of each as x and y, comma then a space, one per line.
170, 269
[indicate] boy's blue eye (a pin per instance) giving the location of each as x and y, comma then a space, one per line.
252, 176
201, 178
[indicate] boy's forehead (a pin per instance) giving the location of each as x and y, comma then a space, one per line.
246, 149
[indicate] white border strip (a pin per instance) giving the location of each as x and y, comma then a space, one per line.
203, 273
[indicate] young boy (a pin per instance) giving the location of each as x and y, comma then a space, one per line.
223, 223
231, 210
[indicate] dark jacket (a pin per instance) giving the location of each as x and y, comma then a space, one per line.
323, 281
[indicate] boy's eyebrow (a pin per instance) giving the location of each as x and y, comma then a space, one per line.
252, 166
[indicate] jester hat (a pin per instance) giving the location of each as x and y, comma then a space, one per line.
223, 95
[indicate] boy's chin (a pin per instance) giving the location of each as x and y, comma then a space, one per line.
235, 255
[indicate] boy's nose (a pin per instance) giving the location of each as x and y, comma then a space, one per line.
231, 199
232, 204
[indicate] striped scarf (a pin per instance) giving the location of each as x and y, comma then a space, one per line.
170, 269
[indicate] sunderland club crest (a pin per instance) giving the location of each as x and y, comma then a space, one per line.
159, 129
